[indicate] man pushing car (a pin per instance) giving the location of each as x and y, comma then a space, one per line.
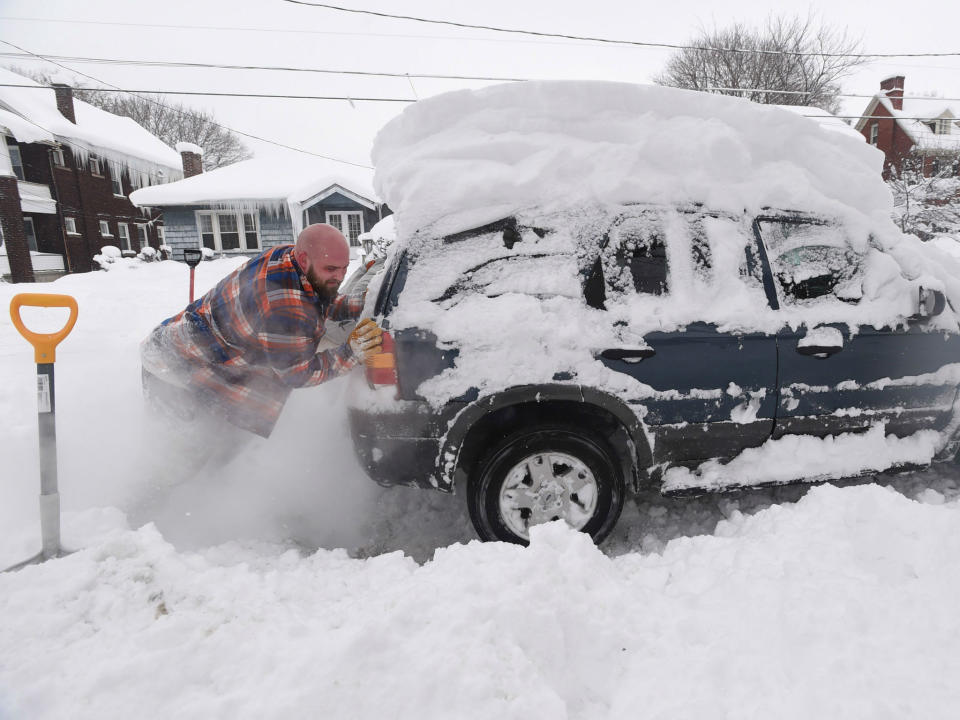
231, 358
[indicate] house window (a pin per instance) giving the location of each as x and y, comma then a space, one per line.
250, 232
16, 160
349, 223
105, 229
207, 236
160, 234
71, 225
874, 133
94, 164
58, 159
229, 231
30, 233
123, 232
116, 174
142, 236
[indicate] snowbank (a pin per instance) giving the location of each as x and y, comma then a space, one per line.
844, 602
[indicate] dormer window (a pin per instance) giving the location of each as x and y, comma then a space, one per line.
874, 133
942, 126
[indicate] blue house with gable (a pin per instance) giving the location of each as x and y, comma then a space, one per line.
244, 208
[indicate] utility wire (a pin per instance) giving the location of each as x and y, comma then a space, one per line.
350, 98
427, 76
232, 28
671, 46
846, 95
207, 93
220, 66
182, 112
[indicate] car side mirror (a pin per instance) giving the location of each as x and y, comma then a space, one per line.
932, 303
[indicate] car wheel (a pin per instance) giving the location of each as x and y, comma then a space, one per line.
541, 474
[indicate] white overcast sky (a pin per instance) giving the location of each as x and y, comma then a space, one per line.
280, 33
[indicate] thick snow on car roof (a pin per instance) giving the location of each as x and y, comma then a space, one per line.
469, 157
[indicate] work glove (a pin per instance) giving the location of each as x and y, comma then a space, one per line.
366, 339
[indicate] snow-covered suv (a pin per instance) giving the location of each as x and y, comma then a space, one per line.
579, 346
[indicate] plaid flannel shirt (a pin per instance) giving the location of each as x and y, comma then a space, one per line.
243, 346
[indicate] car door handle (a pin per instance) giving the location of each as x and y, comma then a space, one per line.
628, 354
820, 351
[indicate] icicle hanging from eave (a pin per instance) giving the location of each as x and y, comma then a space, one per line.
275, 208
142, 173
296, 217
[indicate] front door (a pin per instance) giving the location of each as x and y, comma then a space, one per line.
847, 376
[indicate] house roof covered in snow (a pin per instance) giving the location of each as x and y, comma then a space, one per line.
268, 181
919, 130
30, 114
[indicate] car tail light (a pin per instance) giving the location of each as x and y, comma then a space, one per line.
382, 367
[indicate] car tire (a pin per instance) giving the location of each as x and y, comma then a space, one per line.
545, 473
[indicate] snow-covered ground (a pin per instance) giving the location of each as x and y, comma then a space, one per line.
286, 585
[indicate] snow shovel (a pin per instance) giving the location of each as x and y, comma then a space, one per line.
192, 257
44, 351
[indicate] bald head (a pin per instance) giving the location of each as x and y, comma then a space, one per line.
323, 254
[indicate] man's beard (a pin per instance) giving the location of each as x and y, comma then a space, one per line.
327, 293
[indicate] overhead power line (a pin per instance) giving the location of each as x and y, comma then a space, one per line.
349, 98
371, 73
846, 95
212, 122
672, 46
221, 66
210, 93
296, 31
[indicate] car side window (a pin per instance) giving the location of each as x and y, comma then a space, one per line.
811, 261
636, 256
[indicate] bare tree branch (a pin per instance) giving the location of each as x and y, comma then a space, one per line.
767, 59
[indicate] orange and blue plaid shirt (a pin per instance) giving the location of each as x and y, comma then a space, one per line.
243, 346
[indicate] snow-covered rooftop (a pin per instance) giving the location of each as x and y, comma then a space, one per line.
929, 109
268, 181
469, 157
31, 115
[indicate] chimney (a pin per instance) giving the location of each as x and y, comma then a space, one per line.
64, 95
893, 87
192, 157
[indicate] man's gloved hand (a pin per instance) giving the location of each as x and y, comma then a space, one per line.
366, 339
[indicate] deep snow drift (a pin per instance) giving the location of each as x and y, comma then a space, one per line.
843, 603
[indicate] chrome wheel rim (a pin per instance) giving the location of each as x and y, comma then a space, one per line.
547, 486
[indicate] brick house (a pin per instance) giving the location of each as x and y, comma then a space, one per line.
66, 172
924, 128
251, 205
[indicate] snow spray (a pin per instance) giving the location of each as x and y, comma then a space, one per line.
44, 351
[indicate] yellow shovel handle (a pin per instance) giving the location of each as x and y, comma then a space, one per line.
44, 344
